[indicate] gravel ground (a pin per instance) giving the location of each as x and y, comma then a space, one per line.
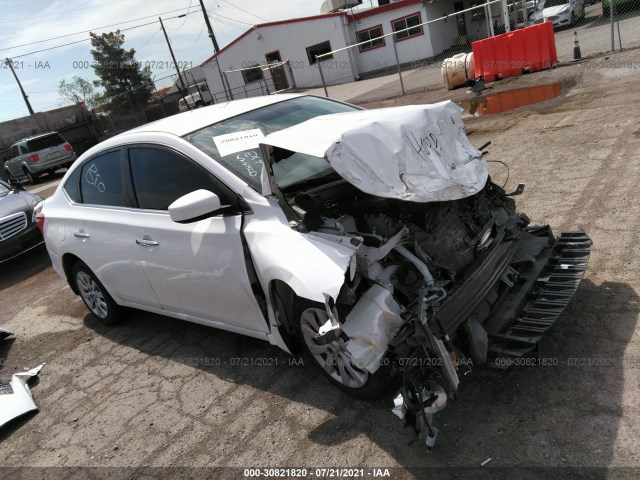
157, 392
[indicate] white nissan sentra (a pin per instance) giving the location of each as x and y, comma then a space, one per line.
372, 241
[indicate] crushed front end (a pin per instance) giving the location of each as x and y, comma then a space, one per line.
446, 276
442, 288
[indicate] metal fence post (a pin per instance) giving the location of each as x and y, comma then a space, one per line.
324, 85
293, 79
226, 79
618, 23
395, 50
611, 13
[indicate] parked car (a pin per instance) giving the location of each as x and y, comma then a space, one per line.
198, 96
373, 241
31, 157
19, 231
561, 12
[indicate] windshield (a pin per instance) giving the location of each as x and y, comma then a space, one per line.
4, 189
555, 3
234, 142
193, 90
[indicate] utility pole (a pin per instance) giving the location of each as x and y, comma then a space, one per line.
175, 64
24, 95
216, 49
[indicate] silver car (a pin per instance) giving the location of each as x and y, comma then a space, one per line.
33, 156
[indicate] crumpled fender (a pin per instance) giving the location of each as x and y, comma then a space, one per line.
311, 265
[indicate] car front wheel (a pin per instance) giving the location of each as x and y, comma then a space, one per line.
94, 295
330, 354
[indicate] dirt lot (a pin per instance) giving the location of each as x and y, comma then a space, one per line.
157, 392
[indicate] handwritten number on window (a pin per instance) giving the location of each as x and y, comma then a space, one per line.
93, 178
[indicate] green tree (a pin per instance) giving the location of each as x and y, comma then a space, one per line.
79, 90
125, 84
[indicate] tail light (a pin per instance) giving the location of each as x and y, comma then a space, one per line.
40, 221
33, 158
68, 147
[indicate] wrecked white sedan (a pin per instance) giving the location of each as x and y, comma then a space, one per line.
372, 239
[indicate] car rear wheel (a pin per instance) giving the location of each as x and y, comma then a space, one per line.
31, 177
331, 356
94, 295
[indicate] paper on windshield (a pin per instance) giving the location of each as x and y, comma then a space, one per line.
418, 153
238, 141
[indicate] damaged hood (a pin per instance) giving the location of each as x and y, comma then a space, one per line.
417, 153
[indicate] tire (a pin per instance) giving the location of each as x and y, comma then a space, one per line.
199, 104
9, 176
573, 19
95, 296
330, 358
31, 178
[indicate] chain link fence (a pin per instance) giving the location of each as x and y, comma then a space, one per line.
599, 25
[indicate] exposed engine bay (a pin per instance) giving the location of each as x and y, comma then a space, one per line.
438, 289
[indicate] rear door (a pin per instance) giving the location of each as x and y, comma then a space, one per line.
196, 268
100, 230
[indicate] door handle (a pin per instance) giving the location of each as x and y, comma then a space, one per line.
146, 242
81, 234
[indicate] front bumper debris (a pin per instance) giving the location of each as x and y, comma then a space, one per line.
15, 397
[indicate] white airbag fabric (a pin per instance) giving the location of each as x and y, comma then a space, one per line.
418, 153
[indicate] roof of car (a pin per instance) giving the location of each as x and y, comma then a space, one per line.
187, 122
33, 137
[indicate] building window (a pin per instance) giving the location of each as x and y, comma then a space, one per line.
252, 75
373, 37
318, 49
412, 20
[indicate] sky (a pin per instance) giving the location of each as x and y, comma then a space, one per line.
35, 22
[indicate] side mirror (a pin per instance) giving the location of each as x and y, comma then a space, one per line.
194, 206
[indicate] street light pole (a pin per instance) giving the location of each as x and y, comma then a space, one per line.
24, 95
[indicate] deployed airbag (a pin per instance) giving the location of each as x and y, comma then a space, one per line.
417, 153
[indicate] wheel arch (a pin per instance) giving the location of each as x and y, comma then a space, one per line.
283, 300
68, 261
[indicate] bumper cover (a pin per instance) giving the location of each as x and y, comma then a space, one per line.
21, 243
551, 292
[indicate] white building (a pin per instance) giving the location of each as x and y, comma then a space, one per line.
299, 40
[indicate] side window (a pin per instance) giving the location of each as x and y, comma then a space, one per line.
14, 151
72, 186
160, 177
23, 149
101, 181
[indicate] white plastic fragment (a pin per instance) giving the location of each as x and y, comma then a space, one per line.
15, 397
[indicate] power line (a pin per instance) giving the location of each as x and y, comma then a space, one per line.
92, 29
77, 41
87, 39
185, 17
246, 11
232, 19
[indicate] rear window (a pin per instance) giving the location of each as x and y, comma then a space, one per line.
47, 141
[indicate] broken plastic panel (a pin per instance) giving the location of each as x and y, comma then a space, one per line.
15, 397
